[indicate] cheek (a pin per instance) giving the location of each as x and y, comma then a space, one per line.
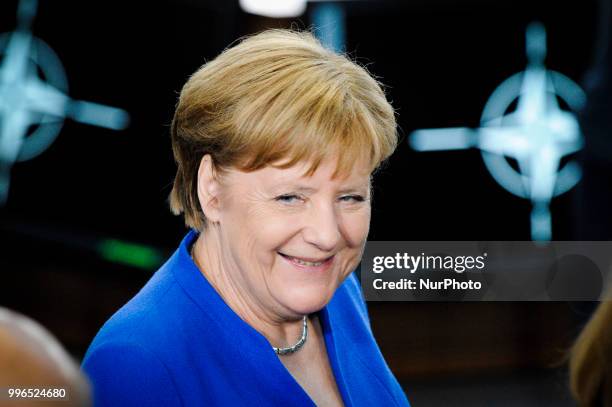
245, 215
357, 226
245, 228
266, 232
356, 229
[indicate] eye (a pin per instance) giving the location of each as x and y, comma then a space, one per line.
352, 198
288, 198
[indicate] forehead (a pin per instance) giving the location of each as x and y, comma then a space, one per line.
272, 175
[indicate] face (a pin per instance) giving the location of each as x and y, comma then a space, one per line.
290, 240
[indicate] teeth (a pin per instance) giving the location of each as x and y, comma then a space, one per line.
307, 263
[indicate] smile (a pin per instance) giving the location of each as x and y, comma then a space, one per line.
308, 263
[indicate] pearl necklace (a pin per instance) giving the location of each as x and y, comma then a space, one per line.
279, 351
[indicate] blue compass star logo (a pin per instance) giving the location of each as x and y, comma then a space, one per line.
538, 133
34, 100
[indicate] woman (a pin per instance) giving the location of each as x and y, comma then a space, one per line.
275, 142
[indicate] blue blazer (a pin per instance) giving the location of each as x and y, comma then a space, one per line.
177, 343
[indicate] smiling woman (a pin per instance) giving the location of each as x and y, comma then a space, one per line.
275, 141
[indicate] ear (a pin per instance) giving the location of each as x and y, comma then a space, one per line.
208, 189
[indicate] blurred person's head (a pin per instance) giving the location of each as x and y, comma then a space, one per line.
591, 360
30, 357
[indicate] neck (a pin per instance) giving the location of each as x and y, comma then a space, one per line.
281, 327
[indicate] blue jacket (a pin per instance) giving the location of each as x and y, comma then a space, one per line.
178, 343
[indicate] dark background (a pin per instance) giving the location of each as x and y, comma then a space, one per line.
440, 61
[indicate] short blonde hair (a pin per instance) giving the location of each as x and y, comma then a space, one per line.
277, 95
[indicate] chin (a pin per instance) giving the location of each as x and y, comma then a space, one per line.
306, 300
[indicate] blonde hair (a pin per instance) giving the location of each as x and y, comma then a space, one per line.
277, 95
591, 360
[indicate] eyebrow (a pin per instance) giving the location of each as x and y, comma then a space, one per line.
302, 188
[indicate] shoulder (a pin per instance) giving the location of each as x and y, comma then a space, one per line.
129, 374
127, 361
144, 316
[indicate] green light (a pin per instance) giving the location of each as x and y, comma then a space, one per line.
132, 254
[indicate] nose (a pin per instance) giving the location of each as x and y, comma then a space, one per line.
322, 227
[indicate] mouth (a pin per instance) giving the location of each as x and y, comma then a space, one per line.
316, 264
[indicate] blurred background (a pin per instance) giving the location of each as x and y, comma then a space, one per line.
87, 93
